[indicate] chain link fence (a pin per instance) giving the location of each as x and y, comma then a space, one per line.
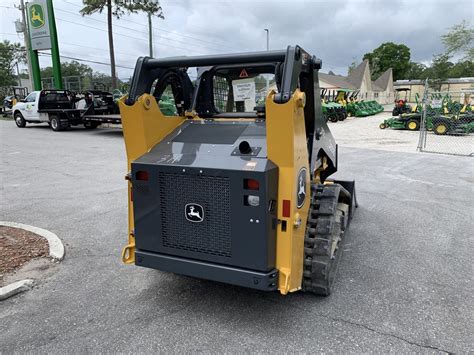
447, 124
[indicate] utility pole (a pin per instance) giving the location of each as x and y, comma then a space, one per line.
268, 48
26, 38
150, 35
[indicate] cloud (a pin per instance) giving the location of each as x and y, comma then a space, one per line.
336, 31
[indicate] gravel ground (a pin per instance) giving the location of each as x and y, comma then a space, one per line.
17, 247
405, 282
364, 132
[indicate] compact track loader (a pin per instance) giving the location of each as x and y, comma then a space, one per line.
226, 190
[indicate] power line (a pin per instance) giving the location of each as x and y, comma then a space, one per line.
146, 33
88, 55
164, 30
86, 61
120, 34
99, 49
68, 57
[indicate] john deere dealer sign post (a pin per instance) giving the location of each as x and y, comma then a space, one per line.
38, 25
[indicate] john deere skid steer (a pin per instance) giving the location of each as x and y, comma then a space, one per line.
224, 189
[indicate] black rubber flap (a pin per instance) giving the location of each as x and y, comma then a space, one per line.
210, 133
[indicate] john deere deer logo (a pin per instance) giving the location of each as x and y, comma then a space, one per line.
36, 16
194, 212
301, 188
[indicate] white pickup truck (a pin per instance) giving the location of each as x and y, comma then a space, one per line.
55, 107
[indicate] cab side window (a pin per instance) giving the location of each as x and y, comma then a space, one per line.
31, 97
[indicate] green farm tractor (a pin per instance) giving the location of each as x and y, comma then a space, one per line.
401, 104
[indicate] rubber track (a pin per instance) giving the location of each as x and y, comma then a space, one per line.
326, 223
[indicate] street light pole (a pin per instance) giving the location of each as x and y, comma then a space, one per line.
268, 48
150, 35
268, 38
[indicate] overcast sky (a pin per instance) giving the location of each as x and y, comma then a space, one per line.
338, 32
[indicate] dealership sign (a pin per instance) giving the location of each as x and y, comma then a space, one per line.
38, 25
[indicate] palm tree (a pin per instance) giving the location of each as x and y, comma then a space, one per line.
117, 8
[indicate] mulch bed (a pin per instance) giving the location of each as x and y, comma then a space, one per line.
17, 247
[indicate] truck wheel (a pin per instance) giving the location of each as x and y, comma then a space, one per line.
413, 125
55, 123
19, 120
91, 125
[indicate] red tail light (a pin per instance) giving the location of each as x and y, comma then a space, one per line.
142, 175
286, 208
251, 184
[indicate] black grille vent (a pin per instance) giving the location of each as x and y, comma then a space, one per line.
213, 234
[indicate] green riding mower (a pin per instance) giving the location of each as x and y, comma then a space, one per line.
408, 121
453, 125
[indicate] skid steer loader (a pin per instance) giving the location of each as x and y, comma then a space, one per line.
226, 190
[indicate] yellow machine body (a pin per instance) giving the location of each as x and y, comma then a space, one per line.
144, 126
194, 147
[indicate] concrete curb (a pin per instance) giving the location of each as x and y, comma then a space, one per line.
15, 288
56, 252
56, 247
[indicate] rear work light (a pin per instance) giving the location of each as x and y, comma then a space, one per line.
252, 200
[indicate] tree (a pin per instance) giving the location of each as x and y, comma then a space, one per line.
415, 71
460, 39
351, 67
10, 55
389, 55
73, 68
117, 8
101, 81
439, 70
462, 69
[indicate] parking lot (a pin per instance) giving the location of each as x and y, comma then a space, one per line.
404, 284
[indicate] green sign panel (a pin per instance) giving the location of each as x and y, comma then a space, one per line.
37, 16
38, 25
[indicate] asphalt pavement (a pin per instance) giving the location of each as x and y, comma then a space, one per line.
405, 283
